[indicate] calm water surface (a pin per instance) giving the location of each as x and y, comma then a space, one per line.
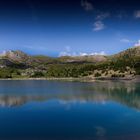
54, 110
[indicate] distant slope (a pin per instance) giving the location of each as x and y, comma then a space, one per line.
131, 52
88, 59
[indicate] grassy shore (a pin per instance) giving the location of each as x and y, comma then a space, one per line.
83, 79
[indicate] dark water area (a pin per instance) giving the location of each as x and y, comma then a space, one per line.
55, 110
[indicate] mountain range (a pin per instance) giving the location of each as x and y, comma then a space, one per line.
19, 60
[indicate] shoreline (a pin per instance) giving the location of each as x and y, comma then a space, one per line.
83, 79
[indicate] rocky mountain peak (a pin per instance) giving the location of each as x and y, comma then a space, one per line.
17, 55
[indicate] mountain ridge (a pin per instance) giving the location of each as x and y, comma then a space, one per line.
25, 65
18, 55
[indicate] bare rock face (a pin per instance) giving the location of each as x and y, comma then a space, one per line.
16, 56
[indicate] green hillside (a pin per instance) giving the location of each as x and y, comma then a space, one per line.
17, 64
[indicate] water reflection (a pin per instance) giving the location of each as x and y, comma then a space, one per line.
126, 93
40, 110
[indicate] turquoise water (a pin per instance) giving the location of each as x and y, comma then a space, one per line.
54, 110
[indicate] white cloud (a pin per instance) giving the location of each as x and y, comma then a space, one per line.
72, 54
87, 5
68, 52
137, 44
102, 16
94, 53
137, 14
100, 53
125, 40
98, 25
83, 54
64, 54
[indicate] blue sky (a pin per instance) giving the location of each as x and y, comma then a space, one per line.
69, 27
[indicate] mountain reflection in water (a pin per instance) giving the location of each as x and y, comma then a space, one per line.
56, 110
126, 93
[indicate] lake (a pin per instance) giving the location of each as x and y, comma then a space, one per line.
58, 110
